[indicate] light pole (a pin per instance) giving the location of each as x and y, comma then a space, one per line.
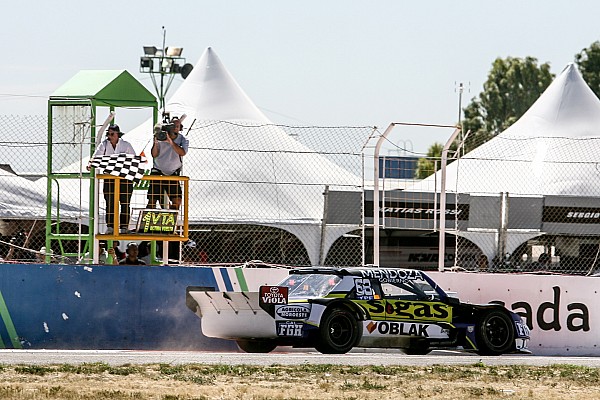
164, 62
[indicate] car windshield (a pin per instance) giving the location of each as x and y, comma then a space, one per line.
310, 285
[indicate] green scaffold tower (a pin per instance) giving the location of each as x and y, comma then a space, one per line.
78, 113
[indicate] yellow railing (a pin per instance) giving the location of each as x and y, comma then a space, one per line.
150, 223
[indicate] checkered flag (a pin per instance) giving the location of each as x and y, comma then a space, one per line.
123, 165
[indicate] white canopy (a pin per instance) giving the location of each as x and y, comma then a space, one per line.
21, 198
243, 168
551, 150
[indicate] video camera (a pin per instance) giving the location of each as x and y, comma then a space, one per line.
161, 130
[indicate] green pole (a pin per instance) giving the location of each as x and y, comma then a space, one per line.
49, 180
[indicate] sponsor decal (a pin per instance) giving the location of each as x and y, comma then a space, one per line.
293, 312
418, 210
273, 294
371, 326
412, 310
386, 275
398, 328
522, 329
547, 315
153, 221
577, 215
387, 329
289, 328
363, 289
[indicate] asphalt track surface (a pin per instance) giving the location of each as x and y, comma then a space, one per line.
294, 357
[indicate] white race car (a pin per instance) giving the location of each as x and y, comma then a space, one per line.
337, 309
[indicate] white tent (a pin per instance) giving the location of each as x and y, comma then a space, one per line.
23, 199
247, 170
551, 150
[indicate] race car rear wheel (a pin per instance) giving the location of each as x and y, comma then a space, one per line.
338, 332
256, 346
495, 333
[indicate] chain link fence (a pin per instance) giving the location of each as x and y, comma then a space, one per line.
256, 192
295, 195
514, 204
533, 204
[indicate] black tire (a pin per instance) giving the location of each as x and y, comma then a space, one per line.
338, 332
495, 333
256, 346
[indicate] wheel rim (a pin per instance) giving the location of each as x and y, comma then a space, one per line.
496, 331
341, 330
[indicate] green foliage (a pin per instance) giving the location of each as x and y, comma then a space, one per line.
513, 85
588, 62
427, 166
32, 369
85, 368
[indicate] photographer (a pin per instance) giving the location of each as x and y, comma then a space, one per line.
113, 144
168, 150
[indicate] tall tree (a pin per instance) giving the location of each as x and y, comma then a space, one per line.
513, 85
588, 62
427, 166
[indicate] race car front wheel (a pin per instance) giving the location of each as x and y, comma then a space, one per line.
495, 333
256, 346
338, 332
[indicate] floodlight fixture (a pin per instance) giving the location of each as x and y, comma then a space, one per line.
186, 69
163, 63
174, 51
166, 65
146, 64
150, 50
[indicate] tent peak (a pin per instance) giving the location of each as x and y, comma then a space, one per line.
567, 108
211, 93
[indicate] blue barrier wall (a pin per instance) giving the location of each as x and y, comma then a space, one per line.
101, 307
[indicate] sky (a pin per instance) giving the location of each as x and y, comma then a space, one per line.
325, 63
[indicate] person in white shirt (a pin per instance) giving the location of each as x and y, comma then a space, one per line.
113, 144
168, 160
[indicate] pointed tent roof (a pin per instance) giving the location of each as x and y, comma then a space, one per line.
247, 166
116, 88
567, 108
551, 150
211, 93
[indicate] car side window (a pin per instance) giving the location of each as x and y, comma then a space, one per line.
395, 292
408, 291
